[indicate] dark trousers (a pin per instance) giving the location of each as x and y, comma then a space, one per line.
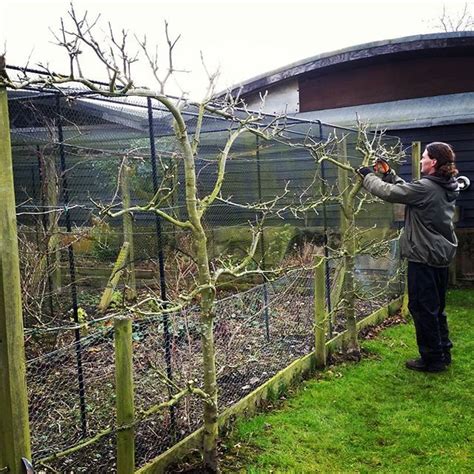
426, 301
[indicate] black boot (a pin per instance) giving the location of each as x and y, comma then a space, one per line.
421, 366
447, 357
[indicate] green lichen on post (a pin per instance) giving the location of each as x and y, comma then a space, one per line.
14, 423
124, 395
415, 160
50, 260
50, 193
131, 291
117, 271
320, 314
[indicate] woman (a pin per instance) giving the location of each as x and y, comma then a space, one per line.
429, 244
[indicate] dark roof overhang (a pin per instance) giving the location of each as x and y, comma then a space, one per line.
368, 51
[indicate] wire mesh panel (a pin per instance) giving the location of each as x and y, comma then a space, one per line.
68, 405
164, 367
99, 184
260, 332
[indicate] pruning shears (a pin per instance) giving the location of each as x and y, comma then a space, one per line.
382, 166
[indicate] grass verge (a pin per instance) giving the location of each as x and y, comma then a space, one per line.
372, 416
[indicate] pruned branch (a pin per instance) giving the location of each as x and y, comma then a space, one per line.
221, 163
153, 59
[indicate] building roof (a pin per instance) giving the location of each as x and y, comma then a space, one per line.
406, 45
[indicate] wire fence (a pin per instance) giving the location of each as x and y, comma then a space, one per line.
79, 155
250, 350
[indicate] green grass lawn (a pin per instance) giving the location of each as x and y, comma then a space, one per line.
372, 416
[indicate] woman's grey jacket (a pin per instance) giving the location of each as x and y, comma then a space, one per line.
429, 236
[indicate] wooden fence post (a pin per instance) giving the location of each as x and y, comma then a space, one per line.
415, 174
124, 395
415, 160
14, 424
50, 190
131, 292
320, 314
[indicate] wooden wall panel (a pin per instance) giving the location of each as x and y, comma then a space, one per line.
386, 80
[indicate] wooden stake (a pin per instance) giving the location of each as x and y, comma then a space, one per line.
415, 160
131, 292
124, 395
14, 424
320, 314
117, 271
51, 187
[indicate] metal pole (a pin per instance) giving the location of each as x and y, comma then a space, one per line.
72, 271
325, 237
262, 245
161, 260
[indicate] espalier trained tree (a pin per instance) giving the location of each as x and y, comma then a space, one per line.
348, 195
78, 35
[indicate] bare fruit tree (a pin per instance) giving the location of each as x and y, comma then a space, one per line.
77, 36
348, 195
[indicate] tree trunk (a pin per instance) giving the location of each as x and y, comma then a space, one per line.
347, 225
350, 312
207, 295
210, 387
208, 353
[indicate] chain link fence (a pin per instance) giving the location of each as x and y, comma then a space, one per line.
72, 155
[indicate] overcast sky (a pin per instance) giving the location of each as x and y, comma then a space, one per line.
244, 38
